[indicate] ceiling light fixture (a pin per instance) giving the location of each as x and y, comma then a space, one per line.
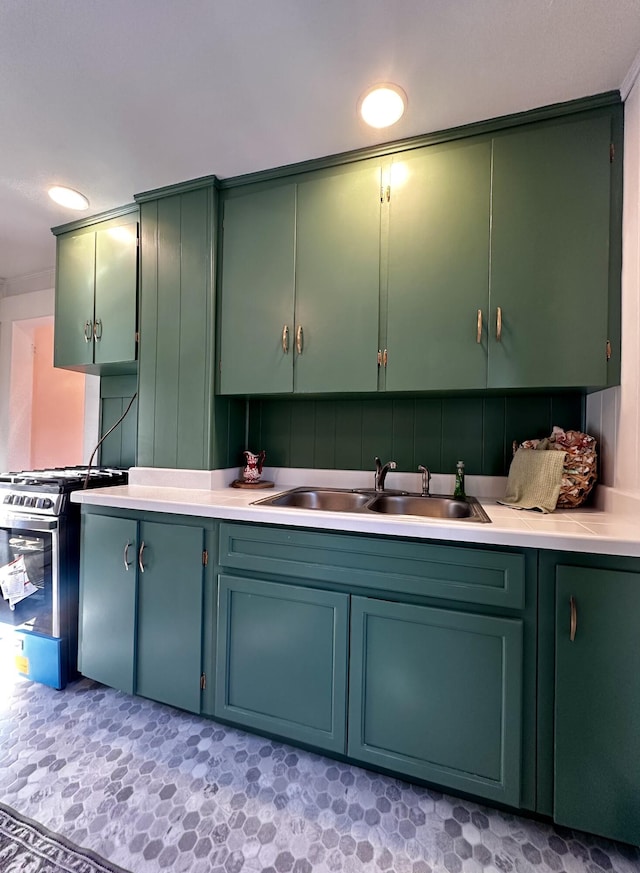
382, 105
68, 197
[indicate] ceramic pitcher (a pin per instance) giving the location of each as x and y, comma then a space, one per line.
253, 466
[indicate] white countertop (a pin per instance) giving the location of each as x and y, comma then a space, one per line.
603, 529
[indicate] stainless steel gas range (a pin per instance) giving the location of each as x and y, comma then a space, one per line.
39, 568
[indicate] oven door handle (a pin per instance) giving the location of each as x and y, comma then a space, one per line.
16, 522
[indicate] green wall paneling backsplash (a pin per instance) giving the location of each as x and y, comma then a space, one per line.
346, 434
119, 448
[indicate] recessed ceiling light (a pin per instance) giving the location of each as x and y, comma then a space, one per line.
68, 197
382, 105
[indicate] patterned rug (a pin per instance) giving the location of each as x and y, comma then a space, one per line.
28, 847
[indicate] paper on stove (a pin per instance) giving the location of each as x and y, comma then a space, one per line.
14, 582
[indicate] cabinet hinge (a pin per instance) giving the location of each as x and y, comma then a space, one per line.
608, 350
205, 558
612, 153
203, 681
137, 336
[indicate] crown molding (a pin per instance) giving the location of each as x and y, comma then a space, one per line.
631, 78
488, 126
29, 282
98, 218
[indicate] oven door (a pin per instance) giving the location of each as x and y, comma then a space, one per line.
29, 579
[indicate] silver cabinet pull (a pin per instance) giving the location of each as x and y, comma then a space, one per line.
97, 334
285, 339
573, 624
299, 339
379, 357
141, 550
385, 358
125, 556
479, 327
87, 331
499, 323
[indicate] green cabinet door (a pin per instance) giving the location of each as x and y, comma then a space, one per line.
169, 631
108, 601
258, 278
281, 660
338, 281
438, 267
75, 282
437, 695
550, 255
180, 421
597, 702
116, 293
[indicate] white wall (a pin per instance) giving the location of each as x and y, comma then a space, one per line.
18, 307
613, 416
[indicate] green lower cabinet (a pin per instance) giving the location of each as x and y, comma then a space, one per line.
437, 695
169, 638
281, 660
597, 702
141, 608
106, 643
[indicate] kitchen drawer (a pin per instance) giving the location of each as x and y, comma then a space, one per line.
471, 575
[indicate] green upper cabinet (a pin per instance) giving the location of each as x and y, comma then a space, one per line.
597, 702
96, 296
550, 250
300, 285
180, 423
438, 267
489, 261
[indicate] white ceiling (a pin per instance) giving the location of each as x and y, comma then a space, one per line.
114, 97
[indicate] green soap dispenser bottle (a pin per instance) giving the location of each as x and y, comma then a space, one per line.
458, 491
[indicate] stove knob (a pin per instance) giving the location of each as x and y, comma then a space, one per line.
8, 498
44, 503
18, 500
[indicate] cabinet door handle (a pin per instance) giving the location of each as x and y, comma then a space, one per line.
141, 550
87, 331
479, 327
573, 626
285, 339
299, 339
97, 334
499, 323
385, 358
125, 556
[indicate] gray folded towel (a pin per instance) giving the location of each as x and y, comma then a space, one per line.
534, 480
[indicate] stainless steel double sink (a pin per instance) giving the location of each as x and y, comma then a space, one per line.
383, 502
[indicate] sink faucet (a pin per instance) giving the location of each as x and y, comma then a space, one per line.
426, 478
381, 473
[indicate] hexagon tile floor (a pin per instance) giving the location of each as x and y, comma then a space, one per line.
151, 788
